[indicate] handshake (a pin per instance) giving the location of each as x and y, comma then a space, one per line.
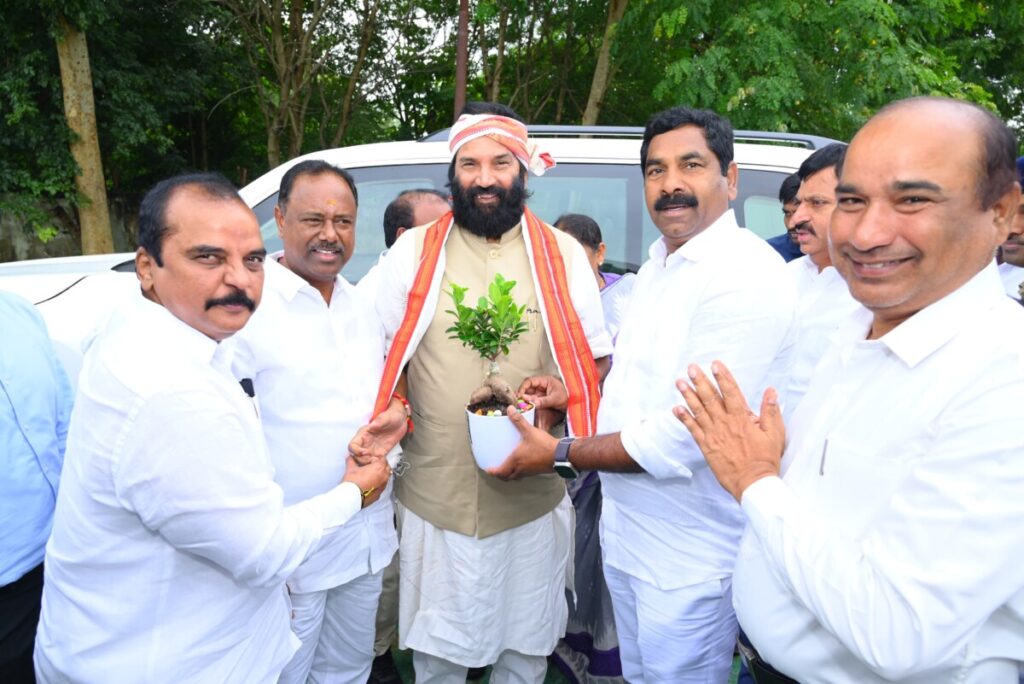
367, 465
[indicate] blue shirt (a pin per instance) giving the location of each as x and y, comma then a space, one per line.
785, 247
35, 405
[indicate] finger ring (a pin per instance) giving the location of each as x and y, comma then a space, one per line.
369, 491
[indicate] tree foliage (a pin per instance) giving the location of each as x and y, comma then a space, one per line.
242, 85
493, 324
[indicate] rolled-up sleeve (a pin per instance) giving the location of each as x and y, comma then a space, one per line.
750, 335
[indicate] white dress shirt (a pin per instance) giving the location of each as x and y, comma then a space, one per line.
892, 548
823, 304
316, 368
171, 542
369, 283
722, 295
1012, 277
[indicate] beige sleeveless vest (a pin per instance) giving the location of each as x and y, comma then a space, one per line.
443, 484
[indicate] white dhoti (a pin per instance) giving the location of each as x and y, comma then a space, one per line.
467, 600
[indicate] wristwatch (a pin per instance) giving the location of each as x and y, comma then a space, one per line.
562, 465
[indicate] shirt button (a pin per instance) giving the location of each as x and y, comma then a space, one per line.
495, 254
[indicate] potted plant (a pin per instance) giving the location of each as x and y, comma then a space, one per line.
490, 328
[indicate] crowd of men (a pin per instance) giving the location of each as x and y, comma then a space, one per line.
266, 474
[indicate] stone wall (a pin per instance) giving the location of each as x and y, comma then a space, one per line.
18, 241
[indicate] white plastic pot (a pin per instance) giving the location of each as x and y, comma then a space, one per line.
493, 438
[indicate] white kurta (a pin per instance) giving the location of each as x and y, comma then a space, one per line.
171, 542
892, 547
723, 295
316, 369
824, 303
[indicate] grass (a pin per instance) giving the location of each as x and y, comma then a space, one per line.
403, 659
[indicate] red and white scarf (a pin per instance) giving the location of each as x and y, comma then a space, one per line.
565, 332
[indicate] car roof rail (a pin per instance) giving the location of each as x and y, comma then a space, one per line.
810, 142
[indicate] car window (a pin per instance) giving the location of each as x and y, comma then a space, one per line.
611, 194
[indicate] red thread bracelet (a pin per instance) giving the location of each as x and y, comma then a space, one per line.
408, 410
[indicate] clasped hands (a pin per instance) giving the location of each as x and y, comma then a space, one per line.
367, 464
740, 446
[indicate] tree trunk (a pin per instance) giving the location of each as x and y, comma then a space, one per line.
567, 54
461, 58
616, 8
365, 39
499, 61
273, 148
80, 112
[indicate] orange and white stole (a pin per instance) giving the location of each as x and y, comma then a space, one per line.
565, 332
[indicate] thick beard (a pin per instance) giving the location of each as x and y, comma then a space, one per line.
493, 222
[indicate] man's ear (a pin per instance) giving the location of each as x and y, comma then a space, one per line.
144, 265
732, 177
1005, 211
279, 219
398, 233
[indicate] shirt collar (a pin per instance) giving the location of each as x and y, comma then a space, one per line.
1006, 267
172, 332
699, 246
285, 282
929, 329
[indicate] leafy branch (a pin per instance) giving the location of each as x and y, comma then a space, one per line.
493, 324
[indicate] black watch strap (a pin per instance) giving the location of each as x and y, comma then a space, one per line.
562, 450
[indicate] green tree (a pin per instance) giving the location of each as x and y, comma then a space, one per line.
810, 66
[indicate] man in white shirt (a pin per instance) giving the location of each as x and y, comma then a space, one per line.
823, 299
891, 547
411, 208
709, 290
1011, 253
171, 542
314, 352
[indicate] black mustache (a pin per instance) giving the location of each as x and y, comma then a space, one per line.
677, 200
475, 192
236, 297
330, 247
805, 226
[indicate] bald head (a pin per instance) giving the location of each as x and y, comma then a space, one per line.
923, 201
997, 147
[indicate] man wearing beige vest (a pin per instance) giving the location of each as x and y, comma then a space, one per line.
484, 562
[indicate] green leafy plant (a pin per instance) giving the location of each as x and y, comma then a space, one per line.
489, 328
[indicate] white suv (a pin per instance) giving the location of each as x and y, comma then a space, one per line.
598, 174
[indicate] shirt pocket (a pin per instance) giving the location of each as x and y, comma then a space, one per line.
857, 481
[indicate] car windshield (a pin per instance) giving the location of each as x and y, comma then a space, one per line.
611, 194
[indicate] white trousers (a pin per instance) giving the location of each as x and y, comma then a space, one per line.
676, 636
511, 667
336, 628
387, 610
